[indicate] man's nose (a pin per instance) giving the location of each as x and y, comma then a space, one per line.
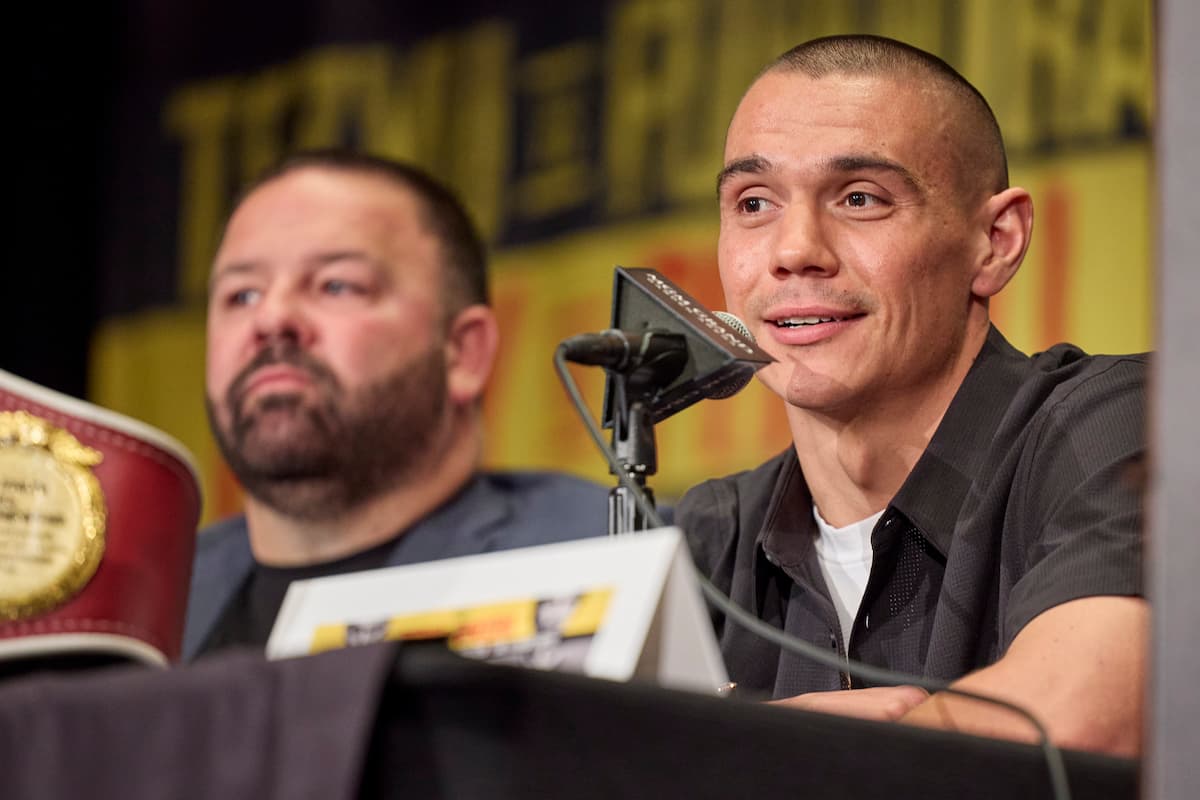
802, 244
281, 314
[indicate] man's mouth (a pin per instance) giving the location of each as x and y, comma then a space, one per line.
283, 369
804, 322
287, 377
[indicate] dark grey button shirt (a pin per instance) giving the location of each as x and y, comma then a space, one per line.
1024, 499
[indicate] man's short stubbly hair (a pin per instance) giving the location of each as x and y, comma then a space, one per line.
878, 56
463, 251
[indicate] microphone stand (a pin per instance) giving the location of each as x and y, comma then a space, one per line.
633, 443
640, 365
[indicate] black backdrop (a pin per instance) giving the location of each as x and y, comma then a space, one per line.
62, 85
79, 75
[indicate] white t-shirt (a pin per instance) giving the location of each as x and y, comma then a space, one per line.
845, 558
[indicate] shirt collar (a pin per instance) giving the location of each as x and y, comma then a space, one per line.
932, 495
788, 529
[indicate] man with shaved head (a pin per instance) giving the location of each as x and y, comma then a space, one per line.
949, 507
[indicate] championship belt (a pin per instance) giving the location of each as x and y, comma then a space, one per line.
98, 517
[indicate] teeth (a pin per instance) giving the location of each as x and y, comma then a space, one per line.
796, 322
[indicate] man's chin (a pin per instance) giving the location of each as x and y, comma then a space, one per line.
288, 459
283, 447
292, 490
278, 427
820, 392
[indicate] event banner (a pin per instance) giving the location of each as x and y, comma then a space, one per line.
583, 136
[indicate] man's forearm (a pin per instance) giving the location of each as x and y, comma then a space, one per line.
1079, 667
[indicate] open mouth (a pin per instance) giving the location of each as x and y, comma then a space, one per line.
805, 322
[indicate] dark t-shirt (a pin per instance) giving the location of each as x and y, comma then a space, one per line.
1023, 500
249, 618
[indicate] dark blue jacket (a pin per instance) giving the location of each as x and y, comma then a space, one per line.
495, 511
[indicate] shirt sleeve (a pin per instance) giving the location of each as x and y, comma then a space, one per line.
1082, 511
707, 514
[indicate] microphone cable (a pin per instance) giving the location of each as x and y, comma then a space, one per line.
867, 672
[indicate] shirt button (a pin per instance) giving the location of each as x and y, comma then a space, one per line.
867, 621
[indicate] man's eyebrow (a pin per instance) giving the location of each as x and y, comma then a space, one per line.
232, 268
856, 163
314, 262
333, 256
756, 165
750, 164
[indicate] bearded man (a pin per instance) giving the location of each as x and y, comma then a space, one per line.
350, 342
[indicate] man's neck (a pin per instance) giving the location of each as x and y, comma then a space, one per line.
278, 539
855, 468
854, 464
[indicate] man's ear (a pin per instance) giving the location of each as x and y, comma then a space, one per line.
471, 346
1009, 217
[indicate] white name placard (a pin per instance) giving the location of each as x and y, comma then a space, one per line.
619, 608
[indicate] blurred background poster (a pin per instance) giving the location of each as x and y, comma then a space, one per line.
581, 136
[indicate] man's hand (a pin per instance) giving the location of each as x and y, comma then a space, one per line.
885, 703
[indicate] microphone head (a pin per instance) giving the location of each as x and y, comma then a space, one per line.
735, 323
737, 380
721, 355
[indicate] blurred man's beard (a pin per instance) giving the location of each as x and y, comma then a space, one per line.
313, 457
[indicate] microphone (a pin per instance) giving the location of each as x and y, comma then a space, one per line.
647, 358
667, 350
733, 387
658, 352
625, 350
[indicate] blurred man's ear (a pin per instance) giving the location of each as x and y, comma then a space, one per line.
1009, 216
471, 345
